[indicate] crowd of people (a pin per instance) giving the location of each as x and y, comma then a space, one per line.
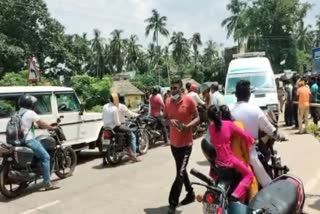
295, 95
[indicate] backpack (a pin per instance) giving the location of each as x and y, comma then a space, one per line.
14, 132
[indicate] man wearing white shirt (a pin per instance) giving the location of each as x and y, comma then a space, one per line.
111, 119
216, 97
254, 120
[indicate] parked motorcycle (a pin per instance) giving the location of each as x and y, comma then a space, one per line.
285, 195
20, 166
202, 126
116, 144
153, 129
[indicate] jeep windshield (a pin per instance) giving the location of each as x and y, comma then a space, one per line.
259, 82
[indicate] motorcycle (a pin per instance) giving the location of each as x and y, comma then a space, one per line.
267, 154
153, 130
115, 144
20, 166
285, 195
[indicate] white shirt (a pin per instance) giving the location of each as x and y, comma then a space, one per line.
124, 111
253, 118
217, 99
28, 118
110, 116
196, 98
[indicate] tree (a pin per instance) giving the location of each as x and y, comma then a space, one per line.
316, 42
157, 24
235, 24
180, 52
97, 47
116, 50
195, 42
133, 50
28, 26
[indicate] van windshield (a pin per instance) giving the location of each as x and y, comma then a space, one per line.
258, 82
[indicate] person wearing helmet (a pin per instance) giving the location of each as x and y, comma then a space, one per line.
191, 92
221, 134
156, 106
29, 121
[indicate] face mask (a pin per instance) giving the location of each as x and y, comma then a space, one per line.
176, 96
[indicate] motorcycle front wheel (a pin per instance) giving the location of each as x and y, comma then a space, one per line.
143, 142
7, 188
65, 162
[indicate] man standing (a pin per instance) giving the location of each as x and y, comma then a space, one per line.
181, 112
156, 105
216, 97
195, 96
304, 96
288, 111
314, 92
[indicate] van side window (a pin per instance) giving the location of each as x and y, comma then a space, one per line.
67, 102
8, 105
43, 105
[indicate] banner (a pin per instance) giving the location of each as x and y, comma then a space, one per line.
316, 59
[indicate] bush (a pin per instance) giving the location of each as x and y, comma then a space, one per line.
93, 92
97, 108
20, 79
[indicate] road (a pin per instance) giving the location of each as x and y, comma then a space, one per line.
142, 188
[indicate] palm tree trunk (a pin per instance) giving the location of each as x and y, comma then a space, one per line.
157, 49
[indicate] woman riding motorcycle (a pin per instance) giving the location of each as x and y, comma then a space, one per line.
221, 134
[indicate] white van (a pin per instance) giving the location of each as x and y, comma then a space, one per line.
82, 129
256, 68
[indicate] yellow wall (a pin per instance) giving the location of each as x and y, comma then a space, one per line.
133, 101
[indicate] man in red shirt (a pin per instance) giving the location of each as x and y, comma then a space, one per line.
156, 105
181, 113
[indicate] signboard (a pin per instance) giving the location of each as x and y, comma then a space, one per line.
316, 59
33, 71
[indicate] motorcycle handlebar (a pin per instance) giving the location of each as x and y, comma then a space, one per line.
201, 176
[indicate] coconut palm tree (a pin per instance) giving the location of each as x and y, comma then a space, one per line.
181, 49
132, 49
316, 42
116, 50
195, 42
97, 47
157, 24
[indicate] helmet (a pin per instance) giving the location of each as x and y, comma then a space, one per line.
27, 101
208, 150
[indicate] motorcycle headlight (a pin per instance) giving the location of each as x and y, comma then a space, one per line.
273, 107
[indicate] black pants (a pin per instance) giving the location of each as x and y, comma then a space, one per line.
315, 114
288, 114
295, 115
161, 125
181, 157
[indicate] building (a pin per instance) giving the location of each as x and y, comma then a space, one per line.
133, 96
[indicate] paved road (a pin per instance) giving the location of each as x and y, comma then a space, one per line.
142, 188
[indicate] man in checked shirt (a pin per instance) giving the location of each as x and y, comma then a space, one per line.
254, 120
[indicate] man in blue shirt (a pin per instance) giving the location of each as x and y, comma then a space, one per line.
315, 93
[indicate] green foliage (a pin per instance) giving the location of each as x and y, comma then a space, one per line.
97, 108
92, 91
147, 80
20, 79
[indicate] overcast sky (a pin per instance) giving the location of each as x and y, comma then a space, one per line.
188, 16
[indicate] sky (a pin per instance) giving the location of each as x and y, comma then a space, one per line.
188, 16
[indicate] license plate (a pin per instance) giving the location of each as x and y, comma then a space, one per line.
106, 142
209, 208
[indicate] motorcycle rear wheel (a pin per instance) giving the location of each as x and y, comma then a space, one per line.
4, 181
112, 155
65, 162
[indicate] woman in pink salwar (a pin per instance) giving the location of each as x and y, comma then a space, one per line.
221, 133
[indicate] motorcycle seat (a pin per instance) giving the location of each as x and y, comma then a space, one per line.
280, 197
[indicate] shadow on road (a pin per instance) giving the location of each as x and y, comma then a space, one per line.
159, 210
203, 163
315, 205
31, 189
87, 156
